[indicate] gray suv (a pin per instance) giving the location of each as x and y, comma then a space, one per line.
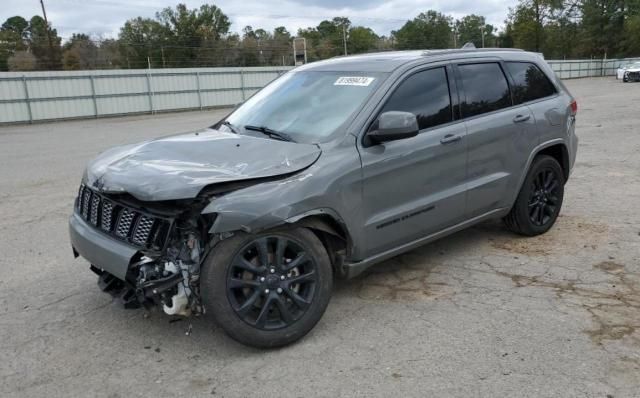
331, 168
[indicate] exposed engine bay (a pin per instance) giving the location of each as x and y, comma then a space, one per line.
166, 271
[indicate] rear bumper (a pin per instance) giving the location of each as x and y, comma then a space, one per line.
102, 251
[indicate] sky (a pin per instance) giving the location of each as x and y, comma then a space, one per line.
103, 18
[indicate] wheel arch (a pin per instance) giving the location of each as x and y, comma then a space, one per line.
333, 234
557, 149
325, 223
560, 153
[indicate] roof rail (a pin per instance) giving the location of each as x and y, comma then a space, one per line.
467, 50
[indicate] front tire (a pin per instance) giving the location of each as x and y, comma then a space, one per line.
540, 199
267, 289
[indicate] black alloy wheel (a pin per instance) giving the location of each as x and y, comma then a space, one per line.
271, 282
543, 201
267, 289
540, 199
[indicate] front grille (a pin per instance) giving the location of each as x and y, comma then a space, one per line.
124, 222
633, 75
121, 221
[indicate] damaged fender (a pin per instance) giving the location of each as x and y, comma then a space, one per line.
312, 191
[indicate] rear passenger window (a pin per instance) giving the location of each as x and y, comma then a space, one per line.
425, 94
530, 83
485, 88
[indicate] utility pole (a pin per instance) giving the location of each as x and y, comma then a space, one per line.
46, 22
482, 32
455, 37
344, 38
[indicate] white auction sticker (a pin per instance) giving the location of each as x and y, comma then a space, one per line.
354, 81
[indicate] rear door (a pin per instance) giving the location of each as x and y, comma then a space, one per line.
415, 186
533, 88
500, 136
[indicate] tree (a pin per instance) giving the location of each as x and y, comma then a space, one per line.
528, 20
327, 39
48, 57
109, 54
141, 40
470, 29
428, 30
631, 43
362, 40
80, 52
22, 61
13, 37
192, 32
603, 24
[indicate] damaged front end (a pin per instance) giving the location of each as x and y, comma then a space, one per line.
169, 241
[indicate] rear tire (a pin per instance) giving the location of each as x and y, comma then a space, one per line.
540, 199
267, 289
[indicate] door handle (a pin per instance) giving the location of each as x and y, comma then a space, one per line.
521, 118
450, 138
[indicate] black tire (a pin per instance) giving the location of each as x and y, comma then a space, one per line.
543, 188
228, 282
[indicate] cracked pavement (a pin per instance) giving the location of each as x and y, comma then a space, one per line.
480, 313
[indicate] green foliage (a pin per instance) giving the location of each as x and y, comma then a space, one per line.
362, 40
183, 37
48, 54
429, 30
471, 28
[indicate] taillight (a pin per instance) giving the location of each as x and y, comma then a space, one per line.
574, 107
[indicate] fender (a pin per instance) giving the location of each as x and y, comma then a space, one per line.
532, 156
324, 191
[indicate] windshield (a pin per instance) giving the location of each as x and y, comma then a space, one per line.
306, 106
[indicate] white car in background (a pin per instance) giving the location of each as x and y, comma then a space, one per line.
629, 72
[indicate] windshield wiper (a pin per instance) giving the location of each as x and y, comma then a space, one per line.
231, 126
271, 133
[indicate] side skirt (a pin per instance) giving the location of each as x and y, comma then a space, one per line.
355, 269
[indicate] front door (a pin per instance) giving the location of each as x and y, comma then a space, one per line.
415, 186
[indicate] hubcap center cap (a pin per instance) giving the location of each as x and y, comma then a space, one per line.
273, 281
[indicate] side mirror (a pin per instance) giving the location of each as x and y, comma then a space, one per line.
394, 125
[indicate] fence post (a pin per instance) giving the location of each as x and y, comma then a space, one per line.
242, 84
93, 97
149, 93
27, 98
199, 90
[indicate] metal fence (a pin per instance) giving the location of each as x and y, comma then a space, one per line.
573, 69
42, 96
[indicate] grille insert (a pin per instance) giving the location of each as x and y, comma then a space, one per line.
124, 222
107, 210
121, 221
95, 206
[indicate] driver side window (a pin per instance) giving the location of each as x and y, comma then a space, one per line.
425, 94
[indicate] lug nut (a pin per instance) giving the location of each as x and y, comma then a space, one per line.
266, 291
273, 270
281, 277
262, 279
279, 290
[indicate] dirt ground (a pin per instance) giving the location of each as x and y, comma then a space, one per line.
480, 313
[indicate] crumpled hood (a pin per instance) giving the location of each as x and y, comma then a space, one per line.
178, 167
